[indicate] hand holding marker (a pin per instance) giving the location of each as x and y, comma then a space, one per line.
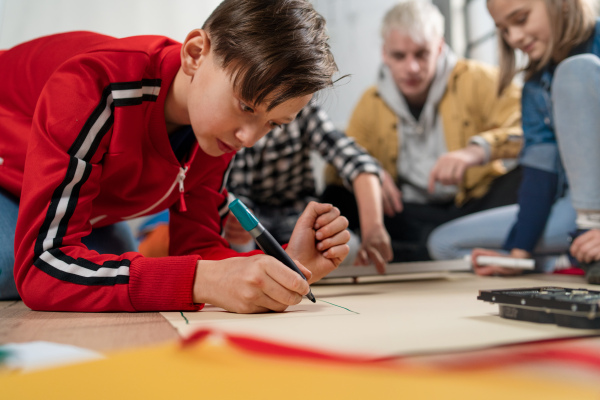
264, 239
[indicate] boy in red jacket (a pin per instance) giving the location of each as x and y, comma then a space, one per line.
96, 130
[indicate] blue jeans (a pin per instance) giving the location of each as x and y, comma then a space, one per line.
489, 229
112, 239
9, 208
576, 99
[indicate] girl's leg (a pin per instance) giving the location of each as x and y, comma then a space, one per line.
9, 206
576, 100
489, 229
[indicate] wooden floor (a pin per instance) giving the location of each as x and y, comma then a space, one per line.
95, 331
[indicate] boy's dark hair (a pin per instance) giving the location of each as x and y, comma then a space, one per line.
275, 50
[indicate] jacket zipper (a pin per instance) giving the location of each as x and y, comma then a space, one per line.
178, 180
181, 178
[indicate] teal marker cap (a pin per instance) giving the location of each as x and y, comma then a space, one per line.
241, 212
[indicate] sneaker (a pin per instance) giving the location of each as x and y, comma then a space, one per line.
591, 269
592, 272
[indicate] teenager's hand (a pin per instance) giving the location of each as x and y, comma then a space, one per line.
234, 233
249, 284
451, 167
486, 270
586, 247
376, 248
392, 196
319, 239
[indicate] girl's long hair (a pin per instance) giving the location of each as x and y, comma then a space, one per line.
572, 22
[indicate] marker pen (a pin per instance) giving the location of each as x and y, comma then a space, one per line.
264, 239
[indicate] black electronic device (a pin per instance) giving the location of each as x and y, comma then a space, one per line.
573, 308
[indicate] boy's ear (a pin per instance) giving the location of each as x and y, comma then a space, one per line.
194, 50
441, 45
384, 54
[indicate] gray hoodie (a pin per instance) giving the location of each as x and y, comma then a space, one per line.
422, 142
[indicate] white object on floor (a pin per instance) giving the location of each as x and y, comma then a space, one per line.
32, 356
506, 262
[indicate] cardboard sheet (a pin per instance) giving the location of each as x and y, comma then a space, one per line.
389, 319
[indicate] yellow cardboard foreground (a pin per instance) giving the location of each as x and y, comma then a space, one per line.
218, 370
389, 319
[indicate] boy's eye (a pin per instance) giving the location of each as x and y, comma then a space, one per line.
246, 108
274, 125
423, 54
398, 56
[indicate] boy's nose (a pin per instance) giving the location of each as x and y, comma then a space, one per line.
413, 65
249, 135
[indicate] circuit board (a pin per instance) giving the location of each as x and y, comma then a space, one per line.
573, 308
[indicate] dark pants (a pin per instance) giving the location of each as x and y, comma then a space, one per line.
410, 229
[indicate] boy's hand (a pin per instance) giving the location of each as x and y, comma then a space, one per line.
586, 247
376, 247
233, 231
486, 270
392, 196
249, 284
451, 167
319, 239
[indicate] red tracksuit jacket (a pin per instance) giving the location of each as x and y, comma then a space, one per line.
84, 143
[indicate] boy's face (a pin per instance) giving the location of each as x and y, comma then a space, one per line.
221, 120
413, 65
523, 24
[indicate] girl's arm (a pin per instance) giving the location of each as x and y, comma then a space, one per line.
536, 196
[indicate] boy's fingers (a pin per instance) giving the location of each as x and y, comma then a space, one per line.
338, 239
431, 181
311, 214
327, 217
333, 228
307, 272
337, 252
361, 257
388, 207
275, 297
288, 280
375, 256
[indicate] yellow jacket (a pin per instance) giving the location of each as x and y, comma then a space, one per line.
469, 107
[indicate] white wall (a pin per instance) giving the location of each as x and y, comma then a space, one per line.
354, 27
21, 20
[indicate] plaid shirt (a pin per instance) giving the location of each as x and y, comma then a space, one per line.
277, 171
